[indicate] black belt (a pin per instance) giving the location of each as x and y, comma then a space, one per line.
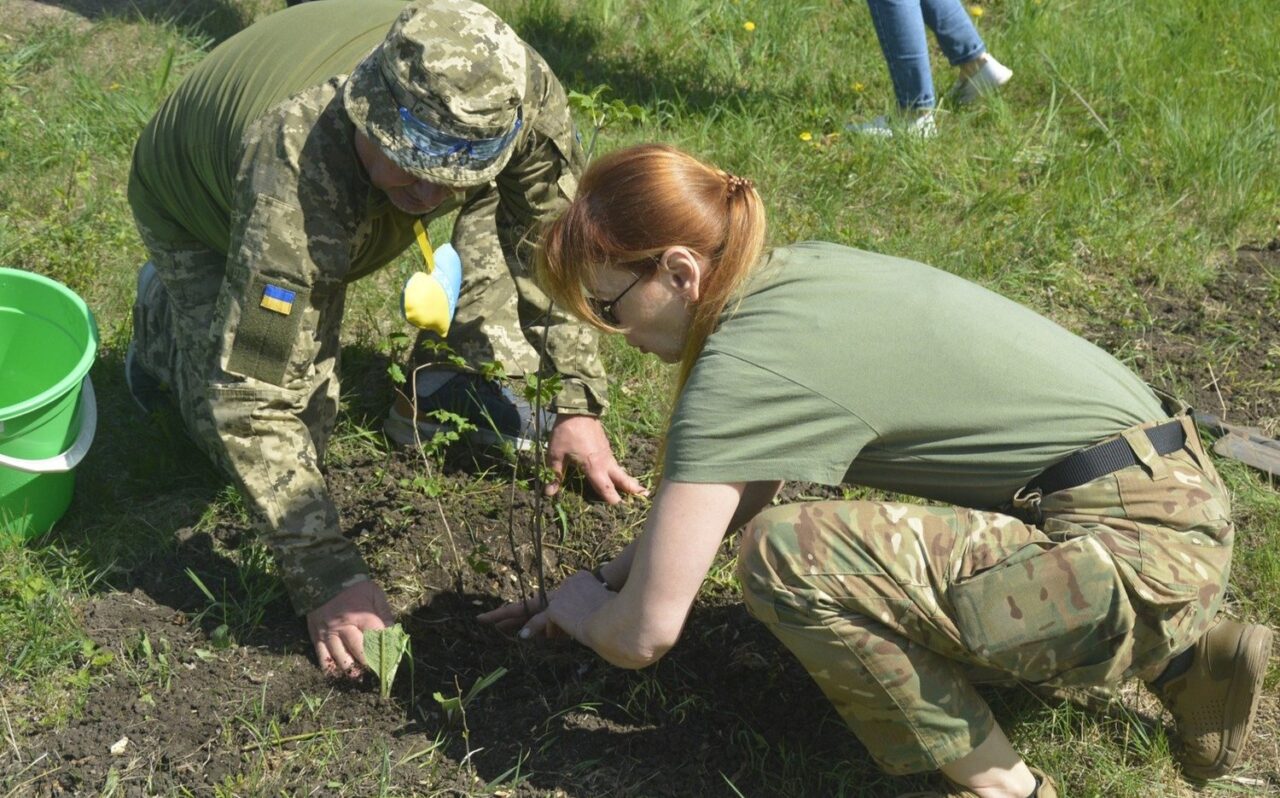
1087, 465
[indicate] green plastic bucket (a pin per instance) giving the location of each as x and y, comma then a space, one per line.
48, 416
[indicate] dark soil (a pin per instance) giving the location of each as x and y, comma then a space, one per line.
573, 725
1216, 348
727, 703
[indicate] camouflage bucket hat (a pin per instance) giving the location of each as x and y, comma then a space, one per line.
442, 94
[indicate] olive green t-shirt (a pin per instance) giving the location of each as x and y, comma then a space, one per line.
844, 366
190, 154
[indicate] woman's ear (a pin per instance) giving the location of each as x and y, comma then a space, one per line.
681, 269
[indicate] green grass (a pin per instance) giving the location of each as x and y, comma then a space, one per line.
44, 655
1138, 144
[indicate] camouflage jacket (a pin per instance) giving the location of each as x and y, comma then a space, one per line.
305, 217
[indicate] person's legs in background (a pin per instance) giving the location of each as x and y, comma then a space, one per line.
900, 26
900, 29
959, 41
957, 37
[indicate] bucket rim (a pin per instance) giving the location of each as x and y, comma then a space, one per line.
76, 374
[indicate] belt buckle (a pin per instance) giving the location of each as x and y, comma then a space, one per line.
1027, 502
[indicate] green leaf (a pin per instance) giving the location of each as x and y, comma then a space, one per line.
485, 682
112, 784
454, 705
383, 650
221, 637
449, 705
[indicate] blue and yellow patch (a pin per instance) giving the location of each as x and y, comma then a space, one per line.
278, 299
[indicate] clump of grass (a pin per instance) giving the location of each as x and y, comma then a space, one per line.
47, 662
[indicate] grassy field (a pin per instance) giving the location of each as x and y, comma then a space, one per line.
1120, 181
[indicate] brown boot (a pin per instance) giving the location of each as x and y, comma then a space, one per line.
1045, 788
1214, 701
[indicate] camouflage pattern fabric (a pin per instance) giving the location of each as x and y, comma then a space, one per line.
503, 316
257, 387
427, 65
891, 606
269, 439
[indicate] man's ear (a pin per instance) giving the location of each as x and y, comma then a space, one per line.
681, 269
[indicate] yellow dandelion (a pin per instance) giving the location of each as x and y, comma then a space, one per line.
859, 87
748, 26
114, 87
976, 10
806, 135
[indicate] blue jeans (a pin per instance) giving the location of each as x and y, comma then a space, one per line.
900, 28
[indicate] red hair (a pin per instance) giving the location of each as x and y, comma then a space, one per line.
635, 203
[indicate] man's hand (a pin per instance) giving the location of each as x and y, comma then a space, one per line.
337, 627
580, 440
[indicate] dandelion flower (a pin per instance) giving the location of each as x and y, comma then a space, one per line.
806, 135
859, 87
114, 87
748, 26
976, 10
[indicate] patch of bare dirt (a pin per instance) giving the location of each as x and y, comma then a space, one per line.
727, 702
1217, 348
198, 717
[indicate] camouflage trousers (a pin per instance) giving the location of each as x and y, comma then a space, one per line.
892, 608
269, 439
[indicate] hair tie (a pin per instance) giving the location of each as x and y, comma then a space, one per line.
739, 184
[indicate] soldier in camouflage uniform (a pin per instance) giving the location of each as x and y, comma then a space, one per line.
1079, 533
296, 158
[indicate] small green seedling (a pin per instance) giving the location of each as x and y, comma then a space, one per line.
604, 113
454, 707
383, 650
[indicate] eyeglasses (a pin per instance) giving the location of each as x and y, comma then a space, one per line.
605, 310
437, 148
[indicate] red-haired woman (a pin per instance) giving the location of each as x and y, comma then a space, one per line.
1083, 536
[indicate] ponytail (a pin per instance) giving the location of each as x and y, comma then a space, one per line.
635, 203
744, 236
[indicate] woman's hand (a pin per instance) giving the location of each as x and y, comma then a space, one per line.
510, 617
568, 608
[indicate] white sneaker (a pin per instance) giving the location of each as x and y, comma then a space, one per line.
922, 126
988, 77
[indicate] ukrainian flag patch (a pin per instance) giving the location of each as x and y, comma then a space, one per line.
277, 299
